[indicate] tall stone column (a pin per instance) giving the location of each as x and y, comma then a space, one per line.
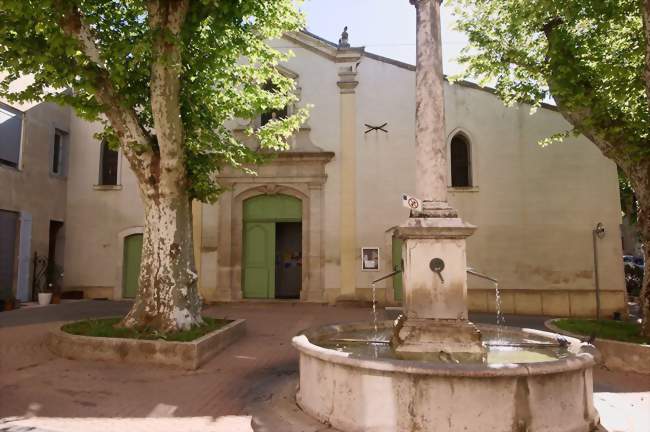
431, 151
347, 237
434, 315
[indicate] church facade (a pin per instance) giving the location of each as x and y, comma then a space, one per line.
316, 223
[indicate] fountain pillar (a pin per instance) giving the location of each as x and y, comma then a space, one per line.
434, 315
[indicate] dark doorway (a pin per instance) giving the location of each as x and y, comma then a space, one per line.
54, 250
8, 237
288, 260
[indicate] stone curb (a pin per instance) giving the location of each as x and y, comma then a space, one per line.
616, 355
184, 355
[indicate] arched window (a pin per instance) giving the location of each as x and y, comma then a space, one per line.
108, 160
461, 168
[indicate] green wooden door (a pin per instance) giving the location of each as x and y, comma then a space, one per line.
261, 214
259, 260
397, 265
131, 269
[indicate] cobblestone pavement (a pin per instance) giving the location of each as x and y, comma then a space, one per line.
249, 386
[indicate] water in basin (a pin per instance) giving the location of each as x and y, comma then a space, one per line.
503, 347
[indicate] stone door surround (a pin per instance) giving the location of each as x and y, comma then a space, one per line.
297, 174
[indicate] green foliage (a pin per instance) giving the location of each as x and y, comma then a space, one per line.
106, 327
586, 54
226, 63
629, 203
624, 331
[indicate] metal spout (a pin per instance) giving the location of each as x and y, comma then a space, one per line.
481, 275
387, 276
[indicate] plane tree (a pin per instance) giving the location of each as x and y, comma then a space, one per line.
592, 57
163, 77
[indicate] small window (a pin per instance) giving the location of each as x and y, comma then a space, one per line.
267, 116
59, 153
11, 123
108, 160
461, 172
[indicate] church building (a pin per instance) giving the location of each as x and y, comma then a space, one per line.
316, 223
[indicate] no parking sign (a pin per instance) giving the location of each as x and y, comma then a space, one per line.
411, 202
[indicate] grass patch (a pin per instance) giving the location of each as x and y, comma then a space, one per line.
105, 327
623, 331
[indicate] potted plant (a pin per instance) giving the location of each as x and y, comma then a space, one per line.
10, 303
45, 295
54, 277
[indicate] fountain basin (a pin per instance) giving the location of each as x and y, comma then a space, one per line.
357, 392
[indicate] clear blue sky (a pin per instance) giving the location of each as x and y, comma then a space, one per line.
385, 27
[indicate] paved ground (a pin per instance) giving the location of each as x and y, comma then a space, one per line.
247, 387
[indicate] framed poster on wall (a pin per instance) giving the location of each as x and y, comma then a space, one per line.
370, 259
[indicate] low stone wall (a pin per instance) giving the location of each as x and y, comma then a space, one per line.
622, 356
185, 355
567, 303
361, 393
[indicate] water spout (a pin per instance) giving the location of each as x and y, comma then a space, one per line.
500, 318
481, 275
389, 275
373, 285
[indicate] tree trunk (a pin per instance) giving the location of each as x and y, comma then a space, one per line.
645, 292
639, 175
167, 299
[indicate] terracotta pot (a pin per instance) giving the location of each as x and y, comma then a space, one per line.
44, 299
56, 298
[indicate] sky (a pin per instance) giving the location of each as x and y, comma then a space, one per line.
385, 27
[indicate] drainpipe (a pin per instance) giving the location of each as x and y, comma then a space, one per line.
598, 232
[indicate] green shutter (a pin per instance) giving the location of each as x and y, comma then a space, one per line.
131, 269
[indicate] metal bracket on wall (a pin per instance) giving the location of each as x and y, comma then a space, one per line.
375, 128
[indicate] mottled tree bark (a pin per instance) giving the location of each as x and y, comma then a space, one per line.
167, 297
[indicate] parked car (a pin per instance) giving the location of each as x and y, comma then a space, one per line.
633, 261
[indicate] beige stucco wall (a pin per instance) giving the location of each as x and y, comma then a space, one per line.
317, 80
535, 207
31, 188
98, 217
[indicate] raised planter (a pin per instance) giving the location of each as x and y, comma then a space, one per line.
622, 356
185, 355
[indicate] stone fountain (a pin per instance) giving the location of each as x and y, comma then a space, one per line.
432, 369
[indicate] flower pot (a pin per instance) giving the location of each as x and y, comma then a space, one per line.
44, 299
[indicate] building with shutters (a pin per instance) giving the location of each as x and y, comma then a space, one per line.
33, 184
316, 223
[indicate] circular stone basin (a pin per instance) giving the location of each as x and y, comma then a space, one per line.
529, 383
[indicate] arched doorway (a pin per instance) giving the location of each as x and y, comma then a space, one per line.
131, 265
272, 247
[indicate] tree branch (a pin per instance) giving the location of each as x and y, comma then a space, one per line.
610, 137
134, 140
